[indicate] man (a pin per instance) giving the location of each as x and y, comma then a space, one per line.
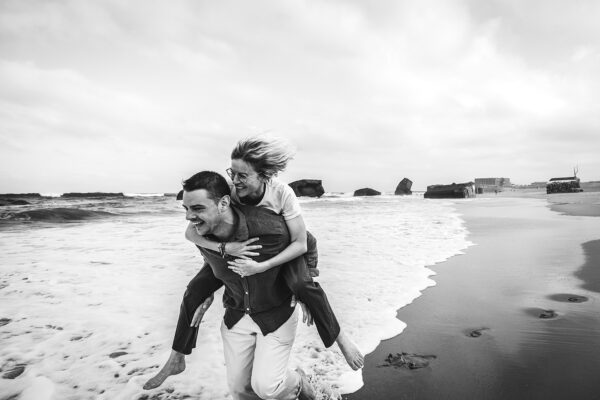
259, 326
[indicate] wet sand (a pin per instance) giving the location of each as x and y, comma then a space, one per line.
516, 317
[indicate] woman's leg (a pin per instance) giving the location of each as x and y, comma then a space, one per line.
309, 292
299, 280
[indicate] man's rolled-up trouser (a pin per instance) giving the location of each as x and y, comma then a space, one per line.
185, 335
257, 364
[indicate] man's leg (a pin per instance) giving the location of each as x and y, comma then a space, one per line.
185, 335
239, 345
271, 377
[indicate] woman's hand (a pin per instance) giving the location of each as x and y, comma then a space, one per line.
245, 267
242, 249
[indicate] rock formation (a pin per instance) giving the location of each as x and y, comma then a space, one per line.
404, 187
455, 190
366, 192
92, 195
308, 187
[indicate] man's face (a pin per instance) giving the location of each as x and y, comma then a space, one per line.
201, 210
245, 179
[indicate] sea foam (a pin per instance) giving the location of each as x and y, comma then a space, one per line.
93, 305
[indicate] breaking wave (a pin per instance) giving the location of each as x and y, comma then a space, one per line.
55, 215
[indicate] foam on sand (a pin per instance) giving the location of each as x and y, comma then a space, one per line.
77, 294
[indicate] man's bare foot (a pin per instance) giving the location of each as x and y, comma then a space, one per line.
174, 365
351, 353
306, 390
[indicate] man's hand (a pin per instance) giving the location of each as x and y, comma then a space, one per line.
242, 249
306, 315
197, 318
245, 267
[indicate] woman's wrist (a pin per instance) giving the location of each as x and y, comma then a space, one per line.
264, 266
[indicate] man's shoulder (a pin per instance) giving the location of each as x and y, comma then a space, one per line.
256, 212
261, 221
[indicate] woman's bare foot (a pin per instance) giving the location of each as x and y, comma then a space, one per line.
174, 365
351, 353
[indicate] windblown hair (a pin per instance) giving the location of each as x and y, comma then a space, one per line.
268, 156
212, 182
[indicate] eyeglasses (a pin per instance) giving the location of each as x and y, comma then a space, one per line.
240, 175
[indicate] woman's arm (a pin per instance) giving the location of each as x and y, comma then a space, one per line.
236, 249
193, 236
296, 248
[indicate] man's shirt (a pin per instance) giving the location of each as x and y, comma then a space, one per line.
264, 296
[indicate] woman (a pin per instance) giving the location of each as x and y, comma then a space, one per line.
254, 164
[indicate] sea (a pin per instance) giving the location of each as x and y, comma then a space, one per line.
90, 289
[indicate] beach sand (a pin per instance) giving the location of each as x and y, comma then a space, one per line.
516, 317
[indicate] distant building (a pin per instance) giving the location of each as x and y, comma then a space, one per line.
491, 184
541, 184
566, 184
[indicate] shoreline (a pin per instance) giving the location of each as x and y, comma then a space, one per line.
482, 321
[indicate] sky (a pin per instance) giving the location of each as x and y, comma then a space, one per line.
135, 96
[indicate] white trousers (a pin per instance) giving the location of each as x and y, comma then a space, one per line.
257, 365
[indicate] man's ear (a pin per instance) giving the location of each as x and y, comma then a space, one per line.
223, 203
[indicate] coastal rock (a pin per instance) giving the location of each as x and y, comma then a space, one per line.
117, 354
92, 195
403, 187
455, 190
366, 192
308, 187
180, 195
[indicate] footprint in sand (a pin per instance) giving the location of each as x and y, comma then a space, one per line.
548, 314
14, 371
568, 298
4, 321
541, 313
475, 333
406, 360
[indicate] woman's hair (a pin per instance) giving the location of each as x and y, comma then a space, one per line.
268, 156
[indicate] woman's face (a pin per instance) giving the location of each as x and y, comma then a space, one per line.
246, 180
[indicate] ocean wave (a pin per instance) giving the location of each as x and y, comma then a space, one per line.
55, 215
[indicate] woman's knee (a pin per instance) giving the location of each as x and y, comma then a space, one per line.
300, 288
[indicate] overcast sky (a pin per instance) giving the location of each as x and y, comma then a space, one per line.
133, 96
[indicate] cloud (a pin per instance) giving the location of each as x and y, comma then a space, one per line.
376, 90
